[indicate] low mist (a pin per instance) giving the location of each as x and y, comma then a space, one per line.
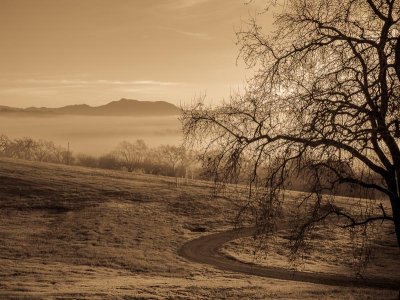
94, 135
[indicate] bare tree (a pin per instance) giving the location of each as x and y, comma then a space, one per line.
323, 103
60, 154
132, 155
22, 148
172, 157
189, 162
42, 150
30, 149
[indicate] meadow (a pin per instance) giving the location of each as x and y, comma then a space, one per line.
69, 232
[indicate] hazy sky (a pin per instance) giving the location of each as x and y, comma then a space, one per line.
59, 52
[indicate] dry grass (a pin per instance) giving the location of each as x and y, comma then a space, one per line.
331, 251
69, 232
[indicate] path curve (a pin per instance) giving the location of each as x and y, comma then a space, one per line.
206, 250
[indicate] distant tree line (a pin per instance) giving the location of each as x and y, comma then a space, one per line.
36, 150
135, 156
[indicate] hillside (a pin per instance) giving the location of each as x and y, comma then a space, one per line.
122, 107
79, 233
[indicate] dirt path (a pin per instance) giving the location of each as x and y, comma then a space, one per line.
206, 250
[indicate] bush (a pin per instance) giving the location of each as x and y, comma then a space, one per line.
87, 161
109, 161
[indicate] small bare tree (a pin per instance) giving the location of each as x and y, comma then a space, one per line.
22, 148
132, 154
324, 104
42, 150
172, 157
59, 154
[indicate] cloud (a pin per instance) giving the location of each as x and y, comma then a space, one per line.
197, 35
185, 4
33, 91
48, 87
80, 82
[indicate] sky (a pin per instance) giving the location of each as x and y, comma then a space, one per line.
61, 52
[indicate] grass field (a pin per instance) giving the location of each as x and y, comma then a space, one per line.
332, 251
80, 233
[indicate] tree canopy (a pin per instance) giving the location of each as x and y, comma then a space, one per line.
323, 104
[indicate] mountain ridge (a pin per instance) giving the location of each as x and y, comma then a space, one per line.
122, 107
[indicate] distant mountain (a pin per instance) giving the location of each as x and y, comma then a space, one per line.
123, 107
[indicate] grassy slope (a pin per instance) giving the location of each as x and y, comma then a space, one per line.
69, 232
335, 255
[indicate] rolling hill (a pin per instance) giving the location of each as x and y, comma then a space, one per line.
122, 107
68, 232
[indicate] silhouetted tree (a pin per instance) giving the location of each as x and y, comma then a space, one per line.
324, 101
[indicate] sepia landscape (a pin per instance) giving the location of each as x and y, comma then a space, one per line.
200, 149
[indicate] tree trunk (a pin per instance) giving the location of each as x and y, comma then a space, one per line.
396, 217
397, 58
392, 183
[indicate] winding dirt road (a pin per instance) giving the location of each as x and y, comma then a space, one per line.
206, 250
